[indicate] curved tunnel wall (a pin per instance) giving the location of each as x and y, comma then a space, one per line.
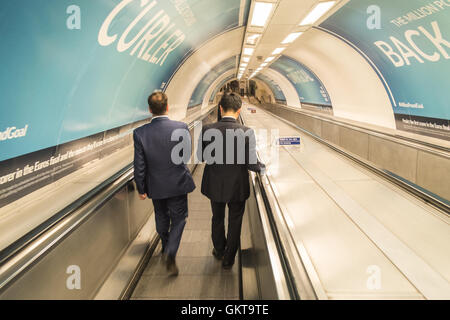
354, 87
198, 65
263, 91
76, 84
274, 88
209, 93
207, 81
407, 43
98, 77
308, 86
217, 86
292, 98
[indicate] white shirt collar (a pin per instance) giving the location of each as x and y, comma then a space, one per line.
163, 116
229, 117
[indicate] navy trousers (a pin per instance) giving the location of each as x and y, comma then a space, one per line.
170, 217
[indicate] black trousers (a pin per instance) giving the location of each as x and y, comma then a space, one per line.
229, 245
170, 218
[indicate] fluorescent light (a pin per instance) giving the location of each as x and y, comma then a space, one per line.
319, 10
261, 13
291, 38
248, 51
244, 64
252, 39
278, 50
269, 59
246, 59
264, 64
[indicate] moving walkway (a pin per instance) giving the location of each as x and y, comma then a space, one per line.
318, 226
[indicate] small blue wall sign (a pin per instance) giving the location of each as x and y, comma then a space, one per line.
289, 141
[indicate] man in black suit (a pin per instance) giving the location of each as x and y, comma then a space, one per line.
229, 150
159, 177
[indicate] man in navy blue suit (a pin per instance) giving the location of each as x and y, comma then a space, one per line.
161, 176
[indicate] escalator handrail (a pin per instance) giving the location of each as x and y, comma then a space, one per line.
27, 250
282, 286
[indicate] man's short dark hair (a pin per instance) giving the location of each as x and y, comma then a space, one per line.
157, 102
230, 102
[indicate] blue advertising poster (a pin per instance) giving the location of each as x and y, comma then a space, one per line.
274, 87
72, 71
309, 88
76, 76
208, 80
408, 44
219, 86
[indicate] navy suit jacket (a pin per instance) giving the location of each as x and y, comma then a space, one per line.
154, 171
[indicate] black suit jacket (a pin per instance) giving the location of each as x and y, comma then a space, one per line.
154, 171
228, 181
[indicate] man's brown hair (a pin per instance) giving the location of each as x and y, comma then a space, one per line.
157, 103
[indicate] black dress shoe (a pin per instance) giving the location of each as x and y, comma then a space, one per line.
227, 265
217, 254
171, 266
